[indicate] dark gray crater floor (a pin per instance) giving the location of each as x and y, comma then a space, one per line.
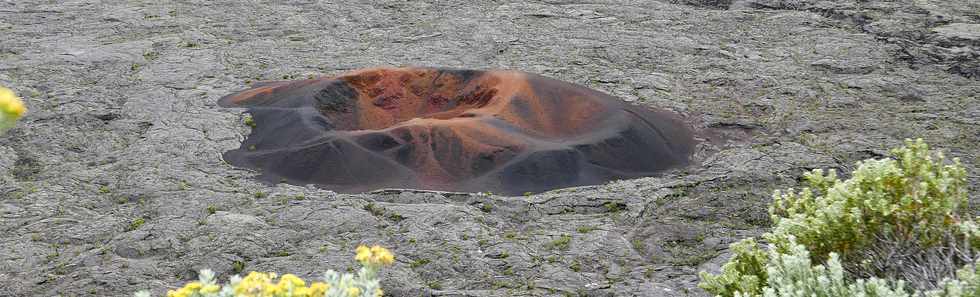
114, 182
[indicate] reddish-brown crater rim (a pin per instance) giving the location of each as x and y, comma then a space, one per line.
506, 132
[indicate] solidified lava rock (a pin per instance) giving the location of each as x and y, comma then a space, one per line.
506, 132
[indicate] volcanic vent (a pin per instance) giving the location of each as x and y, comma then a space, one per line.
505, 132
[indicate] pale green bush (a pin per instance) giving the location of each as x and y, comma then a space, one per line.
792, 274
967, 283
896, 226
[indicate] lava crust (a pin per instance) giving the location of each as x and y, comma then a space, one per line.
505, 132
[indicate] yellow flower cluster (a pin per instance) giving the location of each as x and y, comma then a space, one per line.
11, 108
192, 288
374, 256
258, 284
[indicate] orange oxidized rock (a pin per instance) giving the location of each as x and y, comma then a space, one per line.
505, 132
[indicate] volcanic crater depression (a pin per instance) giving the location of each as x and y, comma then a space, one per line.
506, 132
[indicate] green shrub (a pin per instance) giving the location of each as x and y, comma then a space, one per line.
744, 272
914, 198
896, 224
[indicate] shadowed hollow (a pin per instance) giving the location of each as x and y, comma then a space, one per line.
505, 132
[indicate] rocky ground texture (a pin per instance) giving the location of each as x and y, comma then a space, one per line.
113, 182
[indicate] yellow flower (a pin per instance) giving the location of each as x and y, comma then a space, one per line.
287, 279
271, 290
386, 258
363, 254
354, 292
10, 104
193, 286
301, 292
319, 289
382, 256
210, 289
374, 256
188, 290
11, 108
259, 284
253, 284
